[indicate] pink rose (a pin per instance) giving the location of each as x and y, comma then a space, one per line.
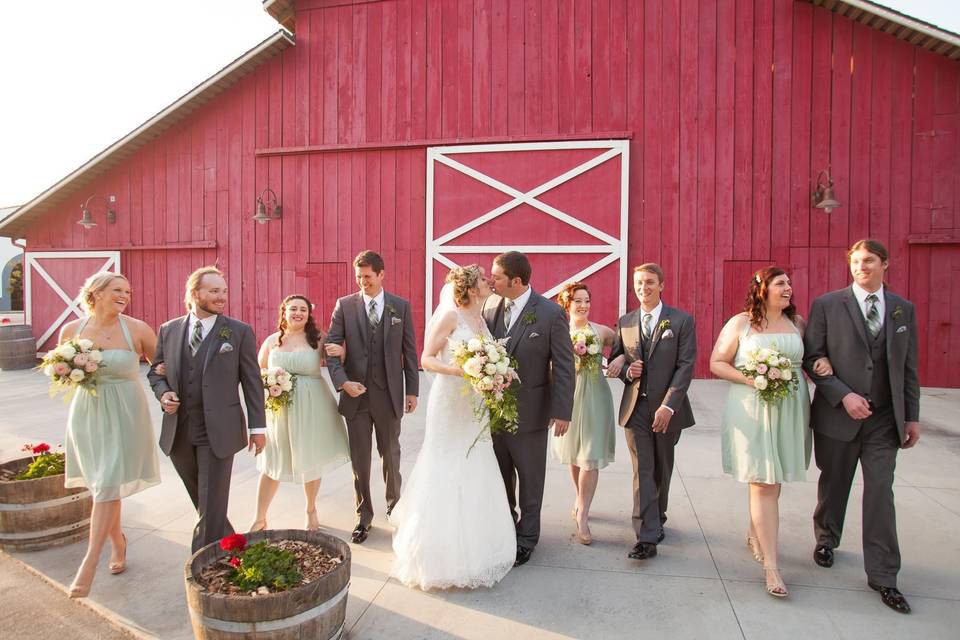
90, 367
498, 379
761, 368
61, 369
80, 359
774, 374
275, 391
580, 348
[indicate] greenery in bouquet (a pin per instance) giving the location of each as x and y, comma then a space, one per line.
73, 364
772, 374
278, 387
586, 350
492, 375
260, 565
45, 462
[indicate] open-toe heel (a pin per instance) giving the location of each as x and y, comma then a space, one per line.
313, 524
258, 525
753, 544
120, 566
774, 582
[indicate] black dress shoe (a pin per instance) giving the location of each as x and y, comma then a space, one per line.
661, 536
523, 555
643, 551
892, 597
823, 556
359, 534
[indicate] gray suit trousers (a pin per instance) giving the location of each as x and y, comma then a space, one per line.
875, 447
523, 456
652, 456
375, 415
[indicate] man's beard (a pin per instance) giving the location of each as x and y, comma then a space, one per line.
208, 310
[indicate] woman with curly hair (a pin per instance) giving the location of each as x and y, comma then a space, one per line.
590, 442
307, 438
764, 445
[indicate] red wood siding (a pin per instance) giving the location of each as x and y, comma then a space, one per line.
734, 107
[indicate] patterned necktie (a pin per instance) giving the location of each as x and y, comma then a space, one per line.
873, 315
507, 314
372, 315
196, 338
647, 321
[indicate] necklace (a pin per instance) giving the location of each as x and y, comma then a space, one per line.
103, 334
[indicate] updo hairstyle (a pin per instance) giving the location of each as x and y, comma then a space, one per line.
94, 285
463, 279
565, 297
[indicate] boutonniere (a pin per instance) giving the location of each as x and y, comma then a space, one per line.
664, 324
392, 311
529, 318
225, 333
897, 313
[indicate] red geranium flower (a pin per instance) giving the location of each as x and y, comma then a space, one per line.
43, 447
237, 542
235, 561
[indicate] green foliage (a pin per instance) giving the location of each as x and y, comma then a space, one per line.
46, 464
263, 565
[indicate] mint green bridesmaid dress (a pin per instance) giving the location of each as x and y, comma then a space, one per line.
767, 443
110, 446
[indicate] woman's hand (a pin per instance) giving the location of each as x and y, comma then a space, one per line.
615, 366
334, 350
160, 369
822, 367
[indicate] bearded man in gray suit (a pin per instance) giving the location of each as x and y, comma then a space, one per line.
378, 381
865, 411
539, 338
206, 358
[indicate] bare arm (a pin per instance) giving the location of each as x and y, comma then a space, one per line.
434, 343
263, 356
250, 381
158, 381
725, 350
338, 374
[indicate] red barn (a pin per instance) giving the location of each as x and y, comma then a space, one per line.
593, 135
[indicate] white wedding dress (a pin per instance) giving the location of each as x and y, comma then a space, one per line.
453, 524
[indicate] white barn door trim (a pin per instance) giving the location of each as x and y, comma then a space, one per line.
615, 248
112, 259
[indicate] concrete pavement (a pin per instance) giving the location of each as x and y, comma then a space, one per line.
703, 584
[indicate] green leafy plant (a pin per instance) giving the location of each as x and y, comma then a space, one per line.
45, 462
263, 565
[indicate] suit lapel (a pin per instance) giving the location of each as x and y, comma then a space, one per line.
853, 308
889, 324
630, 333
665, 314
360, 313
213, 347
177, 336
520, 328
385, 319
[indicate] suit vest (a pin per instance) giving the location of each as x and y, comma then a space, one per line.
191, 388
879, 395
376, 363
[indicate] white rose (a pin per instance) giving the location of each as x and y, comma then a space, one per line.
763, 354
492, 355
77, 375
750, 366
85, 344
502, 367
472, 367
287, 386
48, 371
283, 378
66, 352
787, 374
474, 344
486, 383
593, 349
271, 379
490, 369
95, 356
760, 383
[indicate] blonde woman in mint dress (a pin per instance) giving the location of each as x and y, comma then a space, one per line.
764, 445
306, 439
110, 445
590, 442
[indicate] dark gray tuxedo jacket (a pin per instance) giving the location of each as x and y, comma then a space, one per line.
836, 329
540, 341
348, 326
667, 366
231, 364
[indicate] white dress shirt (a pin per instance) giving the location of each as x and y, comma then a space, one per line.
366, 304
518, 304
861, 295
654, 320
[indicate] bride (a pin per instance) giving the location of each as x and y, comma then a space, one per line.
453, 525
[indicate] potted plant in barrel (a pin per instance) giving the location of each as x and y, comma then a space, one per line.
276, 583
36, 511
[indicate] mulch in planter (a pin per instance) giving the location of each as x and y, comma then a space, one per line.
9, 474
312, 561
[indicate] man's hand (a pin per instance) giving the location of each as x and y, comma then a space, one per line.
257, 443
635, 369
912, 434
409, 404
857, 406
560, 427
354, 389
615, 366
169, 402
661, 419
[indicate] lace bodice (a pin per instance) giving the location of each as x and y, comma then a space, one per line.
463, 333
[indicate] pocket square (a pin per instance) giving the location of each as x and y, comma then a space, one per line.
395, 320
667, 334
901, 329
226, 347
534, 335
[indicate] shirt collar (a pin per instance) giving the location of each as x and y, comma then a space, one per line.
655, 312
521, 300
207, 322
861, 294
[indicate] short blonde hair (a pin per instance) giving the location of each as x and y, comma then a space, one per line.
94, 285
194, 280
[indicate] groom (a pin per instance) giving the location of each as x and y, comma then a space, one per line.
539, 339
206, 357
381, 366
660, 345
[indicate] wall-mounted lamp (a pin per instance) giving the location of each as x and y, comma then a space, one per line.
86, 218
822, 196
261, 214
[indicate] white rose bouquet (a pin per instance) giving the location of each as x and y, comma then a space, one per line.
586, 350
278, 386
492, 374
73, 364
772, 374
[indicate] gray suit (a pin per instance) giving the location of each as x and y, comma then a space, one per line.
384, 360
540, 341
668, 360
209, 427
884, 371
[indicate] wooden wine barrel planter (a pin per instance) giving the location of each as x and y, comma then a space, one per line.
18, 350
314, 610
40, 513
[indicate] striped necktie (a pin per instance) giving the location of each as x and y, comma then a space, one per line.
507, 314
873, 315
196, 338
372, 315
647, 321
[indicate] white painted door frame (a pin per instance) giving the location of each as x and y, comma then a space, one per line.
614, 248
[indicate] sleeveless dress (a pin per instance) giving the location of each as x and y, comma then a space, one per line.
453, 523
110, 441
760, 442
308, 438
590, 442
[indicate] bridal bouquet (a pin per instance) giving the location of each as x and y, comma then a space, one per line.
491, 373
772, 374
278, 384
586, 350
73, 364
